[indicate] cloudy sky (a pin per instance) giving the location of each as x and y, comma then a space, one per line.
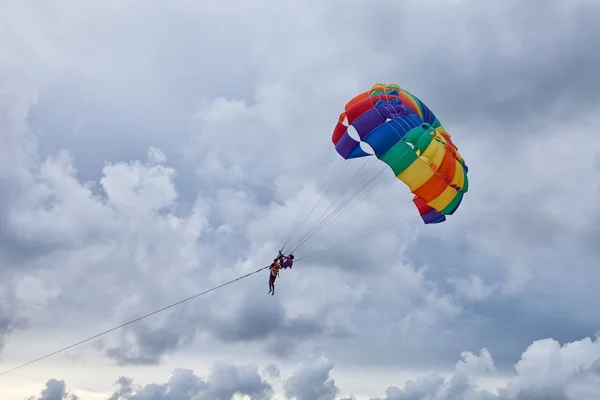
152, 150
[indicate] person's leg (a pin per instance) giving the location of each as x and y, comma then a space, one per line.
273, 285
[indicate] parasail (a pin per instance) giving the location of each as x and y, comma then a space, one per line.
404, 133
358, 200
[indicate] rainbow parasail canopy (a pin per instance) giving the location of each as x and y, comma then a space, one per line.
406, 135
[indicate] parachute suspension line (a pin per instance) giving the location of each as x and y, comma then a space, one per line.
322, 223
338, 222
341, 193
393, 125
327, 219
297, 227
334, 212
367, 198
135, 320
361, 238
325, 192
327, 156
344, 166
390, 222
384, 230
326, 160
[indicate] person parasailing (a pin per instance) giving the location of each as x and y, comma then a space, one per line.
273, 274
285, 261
281, 261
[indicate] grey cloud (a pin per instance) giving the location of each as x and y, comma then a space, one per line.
312, 382
224, 382
15, 250
531, 314
98, 110
272, 371
253, 317
568, 379
497, 63
147, 341
125, 390
590, 241
457, 387
250, 319
98, 101
47, 186
17, 151
150, 345
546, 370
227, 380
10, 318
182, 385
55, 390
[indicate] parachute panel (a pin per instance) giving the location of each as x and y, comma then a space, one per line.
416, 174
458, 180
454, 204
465, 185
383, 138
441, 201
428, 213
435, 153
399, 157
404, 124
421, 136
348, 147
440, 181
368, 104
370, 120
386, 135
